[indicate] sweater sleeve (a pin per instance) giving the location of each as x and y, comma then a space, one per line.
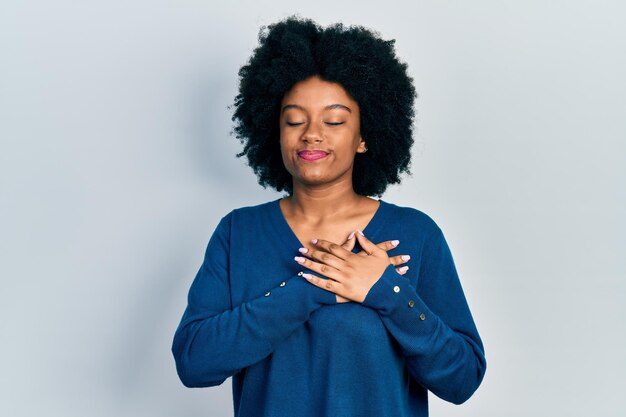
214, 339
433, 324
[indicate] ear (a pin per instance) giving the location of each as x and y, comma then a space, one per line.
361, 147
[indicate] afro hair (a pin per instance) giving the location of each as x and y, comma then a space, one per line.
365, 65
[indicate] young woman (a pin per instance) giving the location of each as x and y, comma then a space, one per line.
294, 300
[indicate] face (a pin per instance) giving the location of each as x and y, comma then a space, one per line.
319, 132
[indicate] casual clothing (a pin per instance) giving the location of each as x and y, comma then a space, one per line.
293, 351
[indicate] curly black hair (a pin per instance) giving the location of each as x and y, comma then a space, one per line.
365, 65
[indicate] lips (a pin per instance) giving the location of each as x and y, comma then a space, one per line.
312, 155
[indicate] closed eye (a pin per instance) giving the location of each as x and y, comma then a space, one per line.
301, 123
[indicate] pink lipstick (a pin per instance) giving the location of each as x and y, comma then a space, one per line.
312, 155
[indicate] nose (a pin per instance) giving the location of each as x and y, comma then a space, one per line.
312, 133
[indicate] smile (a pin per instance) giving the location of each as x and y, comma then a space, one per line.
312, 155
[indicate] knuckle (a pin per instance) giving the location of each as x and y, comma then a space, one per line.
329, 284
333, 247
324, 268
324, 256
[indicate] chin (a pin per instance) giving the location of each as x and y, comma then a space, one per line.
313, 180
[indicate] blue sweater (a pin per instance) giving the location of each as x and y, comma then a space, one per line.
293, 351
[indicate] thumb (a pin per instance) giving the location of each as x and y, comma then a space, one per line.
366, 244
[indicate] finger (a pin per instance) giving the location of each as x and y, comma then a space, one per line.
349, 243
402, 270
400, 259
332, 247
322, 269
323, 257
326, 284
366, 244
386, 246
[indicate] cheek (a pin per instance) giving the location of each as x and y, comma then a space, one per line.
284, 144
288, 140
286, 151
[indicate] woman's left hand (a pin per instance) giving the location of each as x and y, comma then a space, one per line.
350, 275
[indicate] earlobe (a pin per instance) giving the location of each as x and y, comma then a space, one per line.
362, 147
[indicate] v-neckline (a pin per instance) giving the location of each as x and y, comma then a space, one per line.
293, 242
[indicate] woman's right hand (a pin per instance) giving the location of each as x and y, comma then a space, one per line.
387, 245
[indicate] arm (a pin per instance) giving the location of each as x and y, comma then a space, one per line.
215, 340
433, 325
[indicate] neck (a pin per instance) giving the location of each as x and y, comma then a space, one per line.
316, 203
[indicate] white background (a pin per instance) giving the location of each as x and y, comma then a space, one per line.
116, 163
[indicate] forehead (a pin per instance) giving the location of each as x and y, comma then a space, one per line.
315, 92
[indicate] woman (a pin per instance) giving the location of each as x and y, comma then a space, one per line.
294, 299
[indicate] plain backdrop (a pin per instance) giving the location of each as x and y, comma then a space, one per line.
116, 163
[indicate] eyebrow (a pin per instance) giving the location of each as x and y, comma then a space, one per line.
329, 107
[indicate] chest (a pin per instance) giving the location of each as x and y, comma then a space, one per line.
336, 232
338, 235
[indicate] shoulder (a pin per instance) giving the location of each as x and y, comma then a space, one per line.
256, 212
240, 220
254, 209
412, 218
422, 231
243, 215
249, 210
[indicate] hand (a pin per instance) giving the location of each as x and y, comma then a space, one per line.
351, 275
387, 245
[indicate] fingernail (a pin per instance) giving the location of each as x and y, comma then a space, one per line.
403, 268
361, 233
314, 241
406, 257
303, 250
299, 259
307, 276
395, 242
351, 235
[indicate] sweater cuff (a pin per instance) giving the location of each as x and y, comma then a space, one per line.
286, 306
393, 295
384, 294
309, 293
